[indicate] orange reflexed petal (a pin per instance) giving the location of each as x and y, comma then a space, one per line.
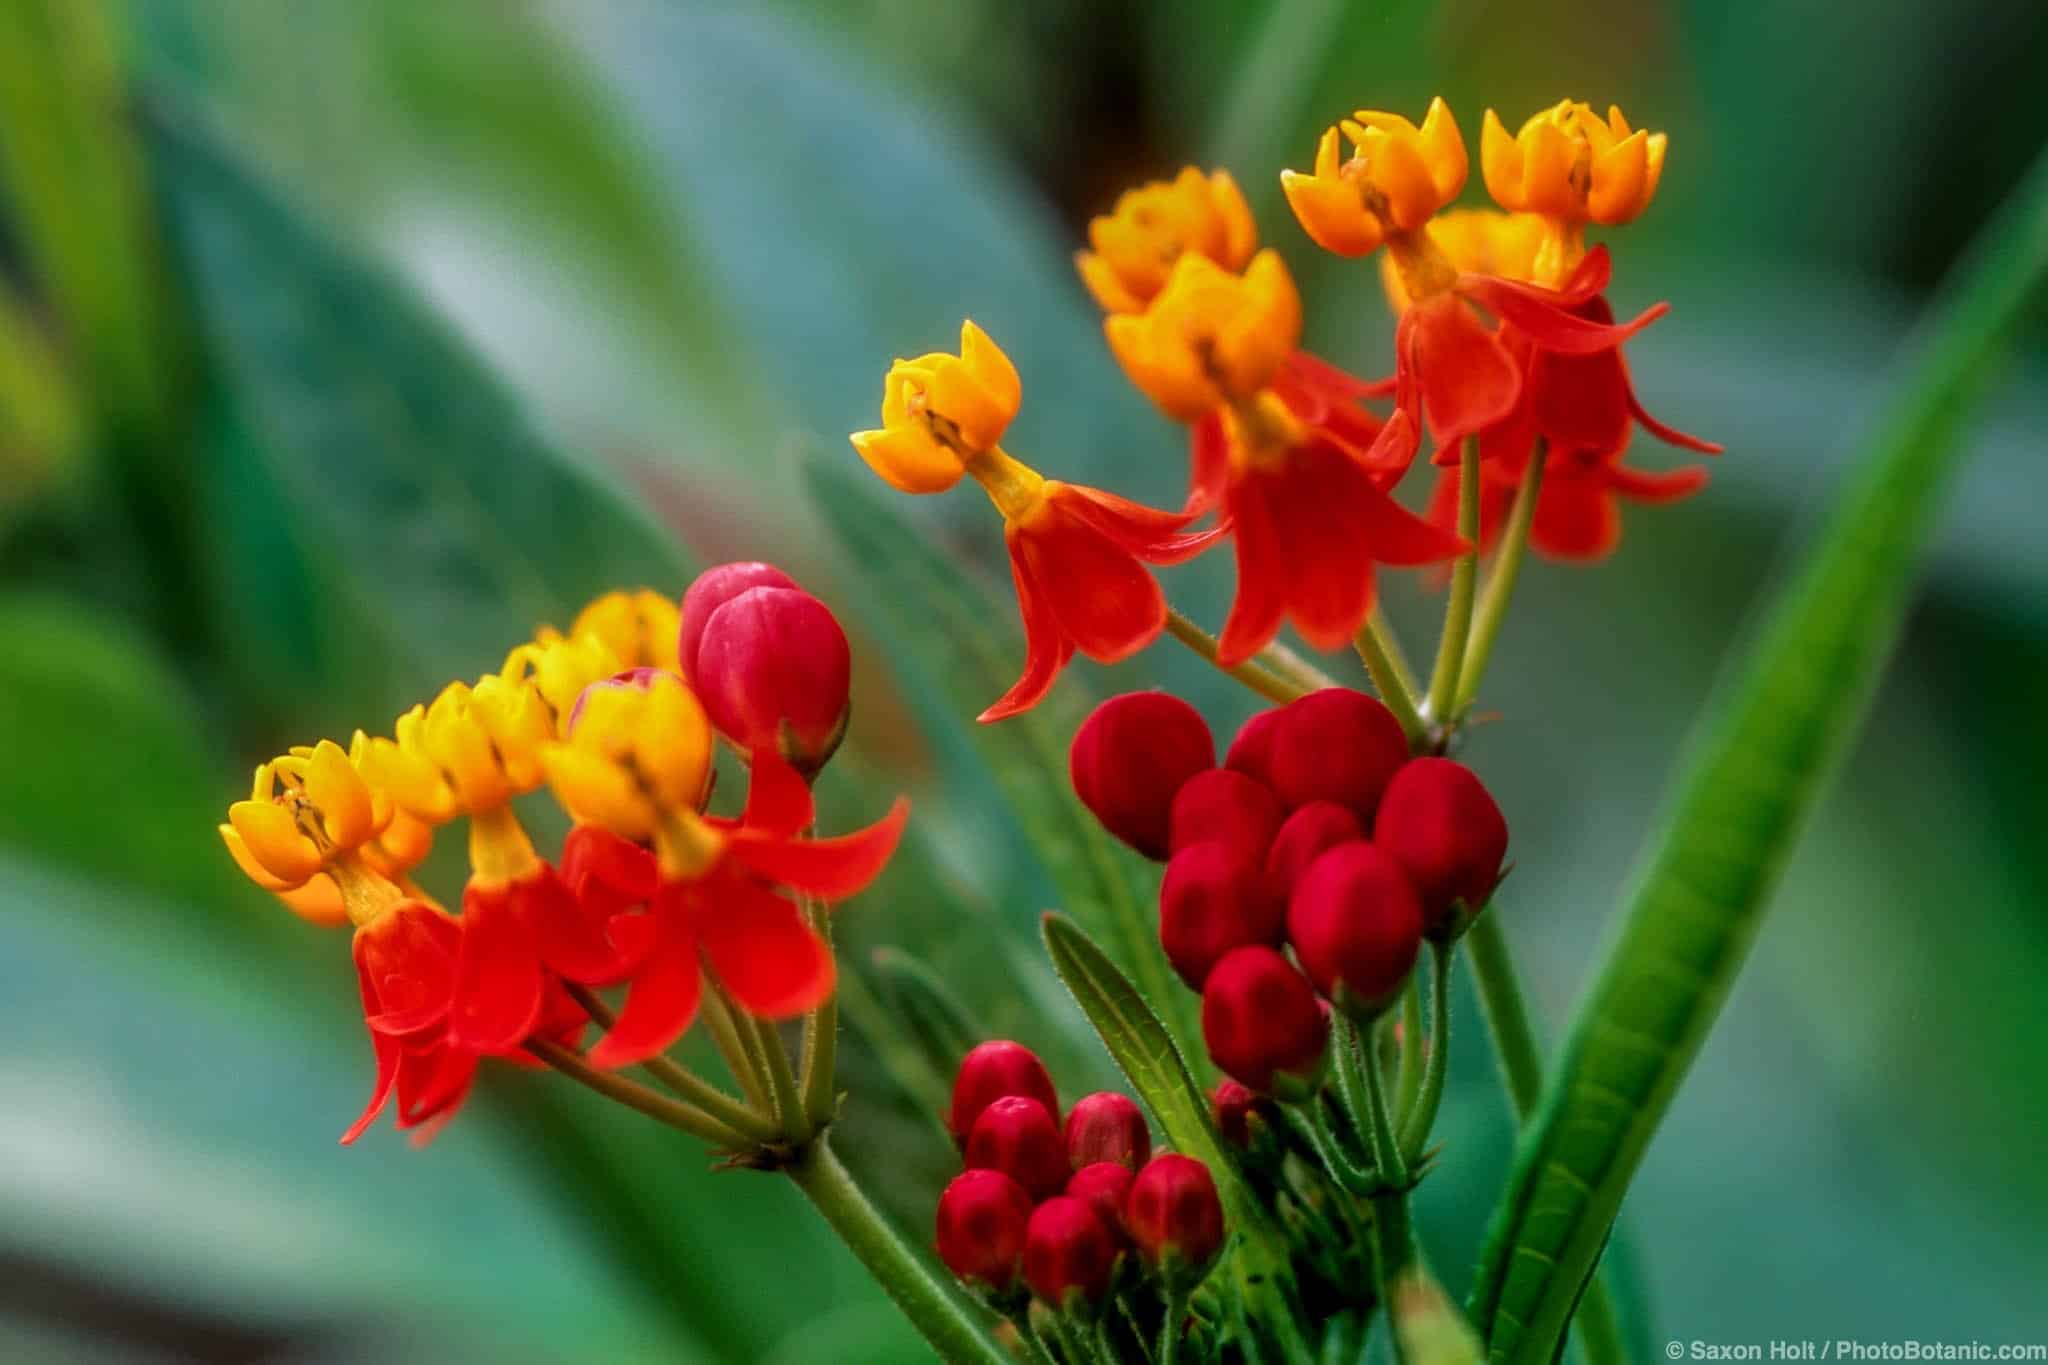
1330, 212
1046, 647
1105, 601
271, 836
909, 460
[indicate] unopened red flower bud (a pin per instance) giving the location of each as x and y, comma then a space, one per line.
1107, 1126
1174, 1215
1224, 806
991, 1071
773, 671
1069, 1256
1212, 899
713, 589
1262, 1023
1104, 1185
1440, 823
1309, 832
1251, 753
1336, 745
982, 1217
1230, 1105
1019, 1138
1355, 921
1131, 756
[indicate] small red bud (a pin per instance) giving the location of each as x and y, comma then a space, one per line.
1211, 900
991, 1071
1107, 1126
773, 671
1336, 745
713, 589
1131, 756
1231, 1105
982, 1216
1019, 1138
1262, 1022
1104, 1185
1226, 807
1440, 823
1174, 1215
1356, 922
1310, 832
1069, 1255
1251, 753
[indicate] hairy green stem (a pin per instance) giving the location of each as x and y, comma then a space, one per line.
686, 1118
1393, 1236
821, 1037
682, 1082
1500, 583
932, 1307
789, 1104
1267, 679
735, 1044
1415, 1131
1450, 650
1408, 1081
1374, 650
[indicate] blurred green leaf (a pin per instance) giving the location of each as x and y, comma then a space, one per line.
1138, 1041
40, 426
957, 650
929, 1011
1754, 776
460, 528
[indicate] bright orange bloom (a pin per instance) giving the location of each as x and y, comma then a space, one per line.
1397, 176
1570, 164
1077, 555
1138, 242
1210, 337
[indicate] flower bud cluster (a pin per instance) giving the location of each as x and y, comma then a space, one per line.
1304, 871
1066, 1208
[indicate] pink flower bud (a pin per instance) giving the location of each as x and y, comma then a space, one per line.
1131, 756
1251, 753
1262, 1022
1356, 922
1019, 1138
1211, 900
773, 671
1104, 1185
1439, 822
1230, 1106
1336, 745
991, 1071
1107, 1126
1225, 807
1069, 1255
1310, 832
1175, 1216
982, 1217
713, 589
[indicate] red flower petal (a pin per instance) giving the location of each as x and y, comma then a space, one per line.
1466, 379
1146, 532
1581, 402
1261, 602
387, 1054
433, 1084
571, 940
1046, 646
1576, 517
1639, 485
830, 869
1540, 314
778, 798
1104, 600
608, 874
774, 964
1209, 463
1668, 435
1317, 495
1314, 373
498, 978
661, 1002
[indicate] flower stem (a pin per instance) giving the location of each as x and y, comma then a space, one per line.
1171, 1327
1377, 622
789, 1104
1268, 680
933, 1308
821, 1037
682, 1082
1393, 1237
1500, 583
1415, 1132
1450, 650
1408, 1082
1373, 648
1521, 1068
736, 1044
676, 1114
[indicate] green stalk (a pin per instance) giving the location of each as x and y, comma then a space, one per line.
789, 1102
1266, 680
1170, 1329
933, 1308
1500, 584
1450, 650
1415, 1132
682, 1082
1408, 1081
821, 1038
683, 1117
1380, 626
738, 1046
1373, 649
1393, 1237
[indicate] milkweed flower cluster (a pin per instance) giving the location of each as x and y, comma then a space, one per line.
618, 717
1506, 350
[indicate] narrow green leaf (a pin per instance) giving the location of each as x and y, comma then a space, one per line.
457, 525
1153, 1064
960, 649
1757, 771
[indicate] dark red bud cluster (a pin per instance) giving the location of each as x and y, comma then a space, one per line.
1056, 1209
768, 660
1318, 834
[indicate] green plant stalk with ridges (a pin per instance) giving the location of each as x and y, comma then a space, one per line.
1756, 773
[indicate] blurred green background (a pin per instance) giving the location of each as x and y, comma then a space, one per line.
343, 340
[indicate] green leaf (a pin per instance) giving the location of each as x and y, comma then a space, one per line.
1757, 770
942, 1027
457, 526
958, 649
1153, 1064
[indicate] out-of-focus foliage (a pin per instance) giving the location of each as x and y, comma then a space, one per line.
328, 330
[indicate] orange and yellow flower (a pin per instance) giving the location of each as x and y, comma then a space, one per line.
1136, 245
